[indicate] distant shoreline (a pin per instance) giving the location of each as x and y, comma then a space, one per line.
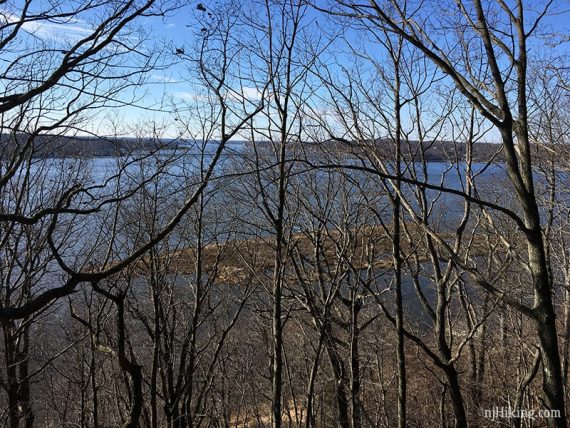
57, 147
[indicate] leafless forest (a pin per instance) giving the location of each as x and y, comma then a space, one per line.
356, 215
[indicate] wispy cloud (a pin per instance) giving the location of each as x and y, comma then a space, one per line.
53, 31
184, 95
189, 96
164, 78
246, 93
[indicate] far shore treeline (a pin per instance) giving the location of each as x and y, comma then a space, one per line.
60, 146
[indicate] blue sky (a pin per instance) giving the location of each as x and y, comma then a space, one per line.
179, 30
172, 84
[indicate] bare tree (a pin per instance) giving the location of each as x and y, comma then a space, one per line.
500, 34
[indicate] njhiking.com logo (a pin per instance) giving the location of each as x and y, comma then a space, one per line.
510, 413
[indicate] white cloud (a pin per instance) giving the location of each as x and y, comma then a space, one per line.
74, 29
246, 93
56, 32
189, 96
184, 95
163, 78
251, 93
